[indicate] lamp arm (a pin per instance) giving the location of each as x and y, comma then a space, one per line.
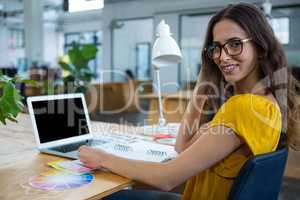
162, 120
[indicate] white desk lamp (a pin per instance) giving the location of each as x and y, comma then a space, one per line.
165, 52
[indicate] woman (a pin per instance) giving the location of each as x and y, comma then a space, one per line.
242, 66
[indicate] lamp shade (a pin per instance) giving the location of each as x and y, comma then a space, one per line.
165, 50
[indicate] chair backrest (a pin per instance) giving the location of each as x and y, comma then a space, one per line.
260, 177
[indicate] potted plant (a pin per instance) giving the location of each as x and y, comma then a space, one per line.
10, 99
78, 74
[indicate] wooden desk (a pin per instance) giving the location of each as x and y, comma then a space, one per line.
19, 160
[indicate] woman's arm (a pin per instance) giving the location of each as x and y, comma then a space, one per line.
209, 149
188, 131
194, 137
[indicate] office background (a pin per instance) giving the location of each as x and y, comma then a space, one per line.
36, 34
41, 32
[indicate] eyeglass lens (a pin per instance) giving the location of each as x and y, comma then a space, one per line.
232, 48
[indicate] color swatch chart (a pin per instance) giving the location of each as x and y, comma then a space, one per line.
57, 180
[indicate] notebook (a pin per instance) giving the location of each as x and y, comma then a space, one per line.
61, 124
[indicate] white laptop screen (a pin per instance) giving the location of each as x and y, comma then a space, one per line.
60, 119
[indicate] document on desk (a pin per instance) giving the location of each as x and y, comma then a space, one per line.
131, 147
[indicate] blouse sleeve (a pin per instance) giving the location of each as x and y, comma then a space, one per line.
255, 119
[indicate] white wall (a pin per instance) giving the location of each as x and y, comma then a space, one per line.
80, 22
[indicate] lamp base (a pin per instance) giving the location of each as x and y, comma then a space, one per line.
162, 122
165, 134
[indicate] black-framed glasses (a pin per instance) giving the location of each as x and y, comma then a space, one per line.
232, 47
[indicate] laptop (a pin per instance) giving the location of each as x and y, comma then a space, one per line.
61, 123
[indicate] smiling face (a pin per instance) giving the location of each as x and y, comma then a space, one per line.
240, 67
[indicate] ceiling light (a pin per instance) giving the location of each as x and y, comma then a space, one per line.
85, 5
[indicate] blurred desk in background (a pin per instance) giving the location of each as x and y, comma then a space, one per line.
174, 105
116, 97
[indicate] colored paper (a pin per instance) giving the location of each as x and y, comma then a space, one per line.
72, 166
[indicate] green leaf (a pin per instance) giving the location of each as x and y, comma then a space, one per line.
2, 116
69, 78
89, 51
85, 71
75, 56
87, 77
67, 67
4, 78
86, 74
16, 79
79, 56
10, 101
12, 119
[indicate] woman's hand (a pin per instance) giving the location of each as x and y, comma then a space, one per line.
91, 157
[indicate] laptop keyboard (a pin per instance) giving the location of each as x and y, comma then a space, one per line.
69, 147
96, 142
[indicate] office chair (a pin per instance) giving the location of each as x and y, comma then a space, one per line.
260, 178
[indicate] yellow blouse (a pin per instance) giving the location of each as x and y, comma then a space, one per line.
257, 121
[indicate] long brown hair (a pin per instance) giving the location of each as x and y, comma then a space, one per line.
271, 60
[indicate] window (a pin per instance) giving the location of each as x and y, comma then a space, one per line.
92, 37
16, 38
16, 49
143, 60
71, 37
281, 28
193, 30
131, 48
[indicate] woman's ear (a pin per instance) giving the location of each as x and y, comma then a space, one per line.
260, 52
260, 55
